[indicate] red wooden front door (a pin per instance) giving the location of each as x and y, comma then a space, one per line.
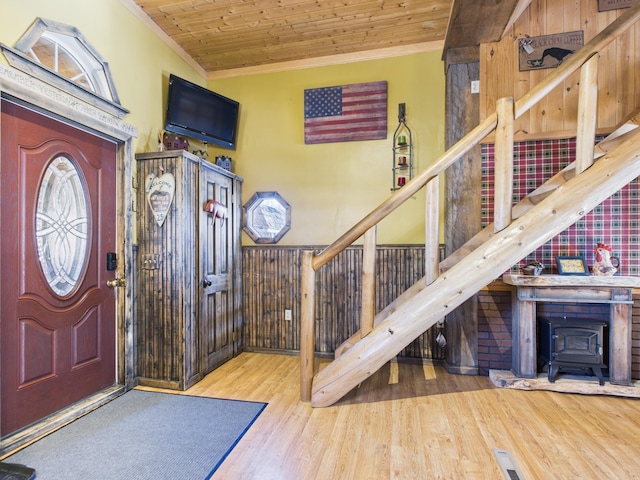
57, 223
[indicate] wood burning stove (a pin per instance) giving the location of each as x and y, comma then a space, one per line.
572, 344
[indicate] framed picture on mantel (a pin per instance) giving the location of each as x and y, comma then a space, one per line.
572, 266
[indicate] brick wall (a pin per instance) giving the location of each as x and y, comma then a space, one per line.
494, 325
494, 329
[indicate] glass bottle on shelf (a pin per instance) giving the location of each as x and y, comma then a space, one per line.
402, 166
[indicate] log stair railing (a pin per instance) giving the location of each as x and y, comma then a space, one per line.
620, 134
525, 204
516, 231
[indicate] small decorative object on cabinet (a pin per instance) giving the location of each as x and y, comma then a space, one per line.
402, 151
189, 271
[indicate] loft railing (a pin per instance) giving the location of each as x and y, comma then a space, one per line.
501, 124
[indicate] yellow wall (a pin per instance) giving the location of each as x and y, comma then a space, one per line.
329, 186
139, 61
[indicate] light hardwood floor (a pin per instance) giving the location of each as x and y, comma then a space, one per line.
418, 422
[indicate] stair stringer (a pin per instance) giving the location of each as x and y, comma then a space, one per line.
561, 209
619, 135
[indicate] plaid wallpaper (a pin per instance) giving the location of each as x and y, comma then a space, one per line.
615, 222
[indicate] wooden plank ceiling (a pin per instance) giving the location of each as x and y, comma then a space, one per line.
231, 34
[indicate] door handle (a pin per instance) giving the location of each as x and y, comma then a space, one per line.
116, 282
206, 283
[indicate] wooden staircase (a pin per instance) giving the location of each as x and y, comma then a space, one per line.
516, 232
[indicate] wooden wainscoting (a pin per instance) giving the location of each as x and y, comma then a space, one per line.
271, 285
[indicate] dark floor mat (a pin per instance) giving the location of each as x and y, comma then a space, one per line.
14, 471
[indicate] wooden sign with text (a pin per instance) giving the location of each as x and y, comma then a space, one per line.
160, 191
605, 5
547, 51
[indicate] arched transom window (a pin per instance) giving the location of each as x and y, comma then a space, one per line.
65, 58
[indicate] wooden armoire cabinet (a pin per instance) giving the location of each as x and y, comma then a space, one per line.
189, 268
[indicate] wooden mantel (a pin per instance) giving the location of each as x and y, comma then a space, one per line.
616, 291
589, 281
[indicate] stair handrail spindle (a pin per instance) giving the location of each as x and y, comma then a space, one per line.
503, 165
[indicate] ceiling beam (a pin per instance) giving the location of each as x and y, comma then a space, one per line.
473, 22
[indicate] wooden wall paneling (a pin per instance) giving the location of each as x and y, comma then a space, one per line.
295, 258
263, 303
633, 69
324, 318
494, 87
271, 285
269, 276
555, 116
521, 81
354, 295
571, 18
537, 27
337, 287
250, 294
288, 266
280, 302
267, 302
368, 281
626, 75
340, 296
606, 82
488, 88
391, 287
253, 302
592, 23
556, 110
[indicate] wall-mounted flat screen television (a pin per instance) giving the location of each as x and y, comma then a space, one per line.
199, 113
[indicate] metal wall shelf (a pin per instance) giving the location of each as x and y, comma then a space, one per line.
402, 166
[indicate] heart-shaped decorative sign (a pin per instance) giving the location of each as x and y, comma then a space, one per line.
160, 191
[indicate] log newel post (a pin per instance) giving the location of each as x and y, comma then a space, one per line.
307, 325
368, 281
587, 111
503, 198
432, 230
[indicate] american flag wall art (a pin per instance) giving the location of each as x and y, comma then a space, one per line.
345, 113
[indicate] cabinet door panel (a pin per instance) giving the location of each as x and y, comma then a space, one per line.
216, 261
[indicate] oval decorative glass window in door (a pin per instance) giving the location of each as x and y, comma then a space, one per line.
62, 226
